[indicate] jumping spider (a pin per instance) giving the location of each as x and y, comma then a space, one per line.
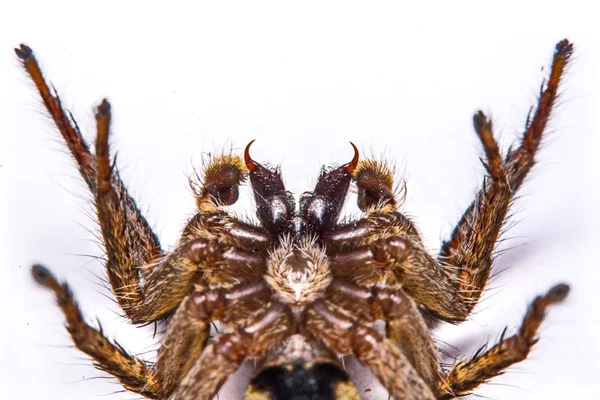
299, 289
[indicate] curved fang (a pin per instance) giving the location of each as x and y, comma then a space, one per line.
351, 166
250, 163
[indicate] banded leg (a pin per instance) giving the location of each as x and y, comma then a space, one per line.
222, 357
133, 373
404, 324
189, 328
399, 260
472, 243
467, 375
407, 328
130, 242
382, 356
465, 261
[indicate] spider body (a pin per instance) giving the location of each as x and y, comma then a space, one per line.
298, 289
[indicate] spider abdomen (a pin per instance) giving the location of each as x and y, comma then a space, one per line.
309, 381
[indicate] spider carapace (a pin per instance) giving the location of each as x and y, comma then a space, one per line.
298, 289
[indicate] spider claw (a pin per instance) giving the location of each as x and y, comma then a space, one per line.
42, 275
559, 292
103, 109
564, 48
250, 163
23, 52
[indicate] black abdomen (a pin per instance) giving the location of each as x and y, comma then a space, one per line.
317, 381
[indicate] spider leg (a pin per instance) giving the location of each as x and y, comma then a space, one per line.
222, 357
189, 328
467, 375
404, 324
345, 335
470, 248
128, 238
385, 246
134, 374
197, 261
396, 260
126, 255
169, 280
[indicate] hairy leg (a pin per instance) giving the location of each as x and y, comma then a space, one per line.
197, 261
189, 328
467, 375
223, 356
344, 335
147, 245
407, 328
472, 243
131, 246
133, 373
126, 255
383, 256
130, 242
384, 246
404, 324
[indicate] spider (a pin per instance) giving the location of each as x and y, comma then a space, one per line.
298, 289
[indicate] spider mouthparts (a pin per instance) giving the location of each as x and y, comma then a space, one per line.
23, 52
250, 163
351, 166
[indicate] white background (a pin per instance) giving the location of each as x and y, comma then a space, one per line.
398, 80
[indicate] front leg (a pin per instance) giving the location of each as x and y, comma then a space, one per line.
385, 245
130, 242
469, 251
